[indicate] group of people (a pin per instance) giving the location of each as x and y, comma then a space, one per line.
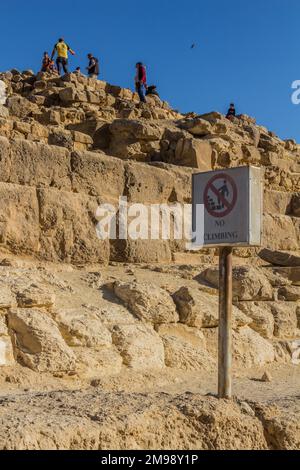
61, 50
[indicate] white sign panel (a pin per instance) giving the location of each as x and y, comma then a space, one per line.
232, 201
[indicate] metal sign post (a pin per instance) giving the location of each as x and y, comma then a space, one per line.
232, 201
225, 323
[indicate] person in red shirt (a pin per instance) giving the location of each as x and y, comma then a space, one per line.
141, 81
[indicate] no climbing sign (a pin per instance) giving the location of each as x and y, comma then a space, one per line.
227, 212
232, 201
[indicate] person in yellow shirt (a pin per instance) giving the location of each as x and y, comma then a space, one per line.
62, 49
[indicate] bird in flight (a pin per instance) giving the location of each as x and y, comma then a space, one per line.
193, 46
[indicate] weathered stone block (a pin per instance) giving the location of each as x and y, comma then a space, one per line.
38, 343
68, 228
19, 219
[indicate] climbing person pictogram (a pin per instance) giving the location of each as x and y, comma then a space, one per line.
220, 195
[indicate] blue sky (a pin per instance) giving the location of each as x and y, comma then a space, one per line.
246, 51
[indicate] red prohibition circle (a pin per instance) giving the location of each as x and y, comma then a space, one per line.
229, 206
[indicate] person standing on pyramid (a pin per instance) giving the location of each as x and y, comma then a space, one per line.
62, 49
141, 81
93, 67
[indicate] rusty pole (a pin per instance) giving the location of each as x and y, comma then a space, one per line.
225, 323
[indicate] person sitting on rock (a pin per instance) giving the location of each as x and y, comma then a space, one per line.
231, 112
141, 81
77, 71
52, 67
152, 90
46, 63
62, 49
93, 67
